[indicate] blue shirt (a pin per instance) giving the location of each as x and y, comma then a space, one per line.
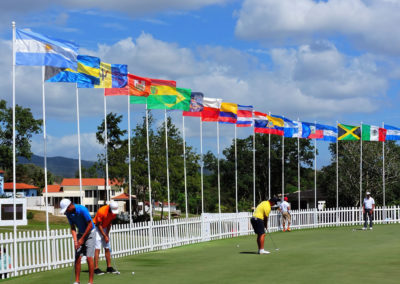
80, 218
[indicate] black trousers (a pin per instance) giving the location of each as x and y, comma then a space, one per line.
368, 214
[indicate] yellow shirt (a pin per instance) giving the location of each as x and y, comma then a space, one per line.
263, 209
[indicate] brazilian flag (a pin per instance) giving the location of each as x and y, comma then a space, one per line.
348, 132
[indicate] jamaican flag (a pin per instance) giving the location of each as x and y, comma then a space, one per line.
348, 132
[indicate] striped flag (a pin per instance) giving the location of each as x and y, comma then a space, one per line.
393, 133
211, 109
228, 113
244, 116
38, 50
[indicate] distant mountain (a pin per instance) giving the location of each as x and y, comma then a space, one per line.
59, 166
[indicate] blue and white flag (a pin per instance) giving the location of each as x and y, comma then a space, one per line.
34, 49
393, 133
329, 132
302, 130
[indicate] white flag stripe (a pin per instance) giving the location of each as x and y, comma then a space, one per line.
212, 102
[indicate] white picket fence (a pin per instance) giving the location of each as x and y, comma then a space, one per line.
32, 254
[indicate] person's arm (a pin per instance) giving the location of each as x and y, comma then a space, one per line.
100, 227
288, 209
373, 208
363, 208
87, 231
266, 222
74, 237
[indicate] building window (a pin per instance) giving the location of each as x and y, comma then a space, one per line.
7, 211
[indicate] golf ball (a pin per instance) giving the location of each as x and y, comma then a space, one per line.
237, 246
133, 272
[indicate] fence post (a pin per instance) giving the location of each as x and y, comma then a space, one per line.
150, 225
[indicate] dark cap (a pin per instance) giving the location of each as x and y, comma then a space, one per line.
274, 200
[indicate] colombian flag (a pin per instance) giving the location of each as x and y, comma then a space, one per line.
228, 113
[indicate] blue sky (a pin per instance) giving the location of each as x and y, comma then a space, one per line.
324, 61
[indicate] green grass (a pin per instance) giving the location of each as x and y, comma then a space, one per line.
330, 255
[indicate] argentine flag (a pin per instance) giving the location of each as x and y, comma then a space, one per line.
34, 49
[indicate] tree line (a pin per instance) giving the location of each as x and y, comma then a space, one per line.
349, 160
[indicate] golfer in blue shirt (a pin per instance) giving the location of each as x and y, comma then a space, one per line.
85, 240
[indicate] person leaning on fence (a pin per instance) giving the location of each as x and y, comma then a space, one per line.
103, 220
368, 210
284, 208
259, 221
85, 240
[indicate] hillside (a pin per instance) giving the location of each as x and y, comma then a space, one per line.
59, 166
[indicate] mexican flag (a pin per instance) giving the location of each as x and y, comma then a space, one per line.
373, 133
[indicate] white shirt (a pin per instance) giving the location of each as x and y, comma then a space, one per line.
368, 202
284, 206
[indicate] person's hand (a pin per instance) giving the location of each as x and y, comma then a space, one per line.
76, 245
80, 242
363, 211
107, 239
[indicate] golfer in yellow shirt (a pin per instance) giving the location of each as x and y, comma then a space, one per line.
259, 221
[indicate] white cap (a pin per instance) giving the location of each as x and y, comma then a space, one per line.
114, 207
368, 193
64, 203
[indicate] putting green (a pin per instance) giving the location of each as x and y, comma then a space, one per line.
329, 255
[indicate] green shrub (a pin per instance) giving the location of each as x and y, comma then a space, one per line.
29, 215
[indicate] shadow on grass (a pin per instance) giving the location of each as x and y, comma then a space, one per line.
248, 252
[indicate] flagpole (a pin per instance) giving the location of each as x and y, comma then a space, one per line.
106, 145
315, 169
45, 168
383, 175
236, 172
14, 154
219, 185
149, 176
184, 164
130, 164
201, 165
298, 163
166, 159
337, 169
79, 145
283, 166
254, 167
361, 153
269, 163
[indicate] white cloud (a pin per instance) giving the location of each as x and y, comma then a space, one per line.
368, 24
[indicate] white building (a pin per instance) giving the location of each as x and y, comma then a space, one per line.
93, 191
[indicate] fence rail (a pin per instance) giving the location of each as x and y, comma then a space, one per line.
31, 246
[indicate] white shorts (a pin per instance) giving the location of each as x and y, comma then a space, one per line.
100, 242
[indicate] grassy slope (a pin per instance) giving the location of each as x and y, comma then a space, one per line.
331, 255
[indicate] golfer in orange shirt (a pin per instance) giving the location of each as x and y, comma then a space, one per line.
103, 219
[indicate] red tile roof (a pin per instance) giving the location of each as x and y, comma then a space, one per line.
18, 186
52, 188
123, 196
87, 182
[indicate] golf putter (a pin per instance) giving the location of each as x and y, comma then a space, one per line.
269, 234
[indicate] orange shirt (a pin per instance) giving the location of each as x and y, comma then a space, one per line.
104, 216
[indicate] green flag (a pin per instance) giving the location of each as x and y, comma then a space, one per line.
180, 100
348, 132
